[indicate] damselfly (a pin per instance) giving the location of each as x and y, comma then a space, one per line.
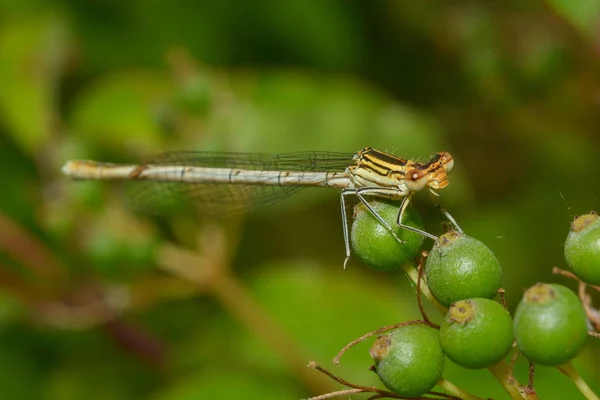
224, 183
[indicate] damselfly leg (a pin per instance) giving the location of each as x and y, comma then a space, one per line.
362, 194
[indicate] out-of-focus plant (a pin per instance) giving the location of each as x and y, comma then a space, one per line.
97, 301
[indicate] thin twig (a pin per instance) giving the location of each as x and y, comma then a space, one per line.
565, 273
511, 367
420, 267
570, 275
596, 288
458, 393
336, 378
364, 337
359, 388
210, 271
331, 395
572, 373
530, 388
444, 395
501, 294
592, 313
379, 393
581, 291
376, 396
25, 248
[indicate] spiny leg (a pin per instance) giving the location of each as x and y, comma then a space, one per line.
445, 212
450, 218
360, 192
403, 206
345, 192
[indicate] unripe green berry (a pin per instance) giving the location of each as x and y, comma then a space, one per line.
476, 333
375, 245
460, 267
550, 324
409, 361
582, 248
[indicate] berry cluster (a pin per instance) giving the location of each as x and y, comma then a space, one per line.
462, 276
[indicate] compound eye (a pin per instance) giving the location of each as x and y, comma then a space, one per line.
448, 161
415, 180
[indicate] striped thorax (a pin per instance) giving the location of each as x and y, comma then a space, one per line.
374, 168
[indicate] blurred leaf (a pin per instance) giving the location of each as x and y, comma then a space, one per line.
265, 112
195, 94
507, 89
116, 33
73, 374
481, 47
121, 112
19, 370
320, 33
584, 15
119, 245
292, 111
10, 309
32, 55
321, 309
17, 177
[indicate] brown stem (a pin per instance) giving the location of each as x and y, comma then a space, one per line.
364, 337
531, 376
20, 245
420, 268
501, 294
360, 389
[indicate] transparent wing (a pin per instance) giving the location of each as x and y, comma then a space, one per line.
212, 200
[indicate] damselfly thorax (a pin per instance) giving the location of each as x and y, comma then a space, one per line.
375, 168
224, 183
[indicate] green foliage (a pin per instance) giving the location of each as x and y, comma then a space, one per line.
582, 14
33, 51
132, 99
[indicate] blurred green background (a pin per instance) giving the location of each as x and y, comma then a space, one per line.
97, 302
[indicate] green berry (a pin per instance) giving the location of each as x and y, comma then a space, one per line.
375, 245
582, 248
409, 361
476, 333
460, 267
550, 324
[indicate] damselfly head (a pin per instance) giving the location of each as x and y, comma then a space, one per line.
433, 175
439, 179
446, 160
